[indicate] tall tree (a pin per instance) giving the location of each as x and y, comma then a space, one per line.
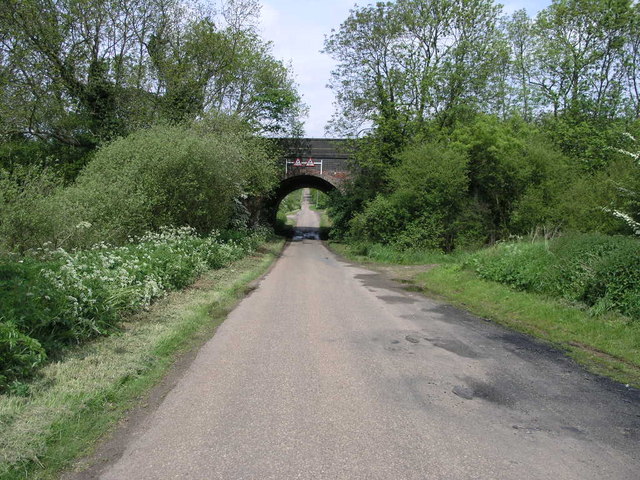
579, 53
408, 61
632, 62
79, 72
521, 41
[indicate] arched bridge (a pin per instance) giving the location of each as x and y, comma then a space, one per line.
320, 163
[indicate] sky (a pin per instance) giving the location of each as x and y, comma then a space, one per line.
297, 29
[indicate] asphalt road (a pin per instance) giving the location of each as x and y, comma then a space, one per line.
330, 371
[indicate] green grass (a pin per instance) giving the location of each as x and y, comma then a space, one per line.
607, 344
363, 252
325, 221
76, 400
290, 205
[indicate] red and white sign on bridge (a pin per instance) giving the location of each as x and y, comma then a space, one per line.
301, 163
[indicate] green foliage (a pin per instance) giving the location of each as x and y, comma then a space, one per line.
625, 176
75, 74
365, 251
427, 232
165, 175
443, 72
428, 184
480, 181
409, 61
547, 176
19, 354
28, 217
291, 202
498, 169
520, 265
380, 221
431, 177
343, 208
598, 270
70, 297
577, 257
588, 141
49, 423
161, 176
616, 281
322, 199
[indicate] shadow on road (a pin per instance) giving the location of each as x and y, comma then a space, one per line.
307, 233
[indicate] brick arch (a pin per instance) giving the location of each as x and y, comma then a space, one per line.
329, 171
291, 184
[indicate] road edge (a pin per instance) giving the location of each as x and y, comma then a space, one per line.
600, 364
84, 441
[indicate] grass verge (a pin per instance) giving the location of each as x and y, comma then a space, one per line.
607, 344
388, 255
77, 399
325, 221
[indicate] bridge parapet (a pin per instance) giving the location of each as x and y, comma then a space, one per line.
328, 156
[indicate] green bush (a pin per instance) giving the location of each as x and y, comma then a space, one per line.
28, 217
615, 283
19, 354
576, 258
524, 266
381, 220
166, 175
33, 303
429, 185
423, 233
72, 296
602, 272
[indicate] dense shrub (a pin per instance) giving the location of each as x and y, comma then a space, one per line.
576, 261
524, 266
166, 175
616, 281
28, 217
19, 354
426, 232
67, 297
379, 222
429, 185
475, 183
600, 271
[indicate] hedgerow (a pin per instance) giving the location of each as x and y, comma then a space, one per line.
187, 175
57, 298
600, 271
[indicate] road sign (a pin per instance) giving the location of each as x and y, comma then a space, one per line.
310, 163
297, 163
